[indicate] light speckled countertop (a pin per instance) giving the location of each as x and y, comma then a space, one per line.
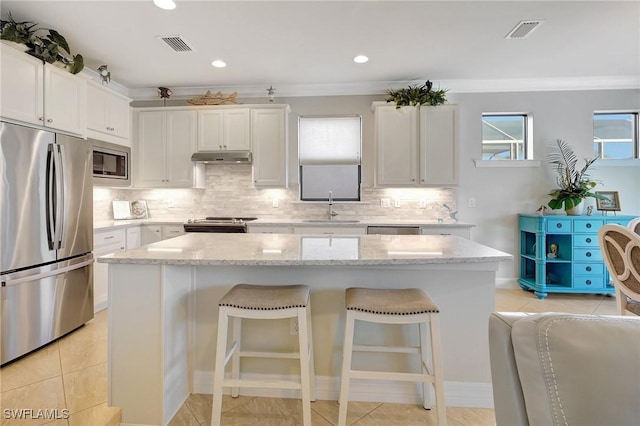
299, 250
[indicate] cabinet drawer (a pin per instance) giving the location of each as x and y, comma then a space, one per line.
588, 269
587, 254
558, 226
588, 281
106, 238
586, 240
590, 225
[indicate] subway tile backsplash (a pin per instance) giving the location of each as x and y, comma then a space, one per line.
230, 192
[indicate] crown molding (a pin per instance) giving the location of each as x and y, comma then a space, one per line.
381, 87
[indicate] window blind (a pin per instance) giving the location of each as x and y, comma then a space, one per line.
329, 140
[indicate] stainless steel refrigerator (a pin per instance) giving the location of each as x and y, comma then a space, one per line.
46, 237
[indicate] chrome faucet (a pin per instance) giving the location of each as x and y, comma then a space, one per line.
332, 214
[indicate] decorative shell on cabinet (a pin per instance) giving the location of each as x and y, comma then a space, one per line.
217, 98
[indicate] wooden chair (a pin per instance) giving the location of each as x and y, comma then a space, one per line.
621, 250
634, 225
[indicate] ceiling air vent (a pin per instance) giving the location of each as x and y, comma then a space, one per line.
176, 43
523, 29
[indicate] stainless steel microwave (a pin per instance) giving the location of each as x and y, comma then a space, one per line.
111, 164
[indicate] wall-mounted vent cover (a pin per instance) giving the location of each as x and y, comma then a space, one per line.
523, 29
176, 43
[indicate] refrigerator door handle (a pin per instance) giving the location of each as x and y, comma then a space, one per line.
60, 186
7, 283
50, 194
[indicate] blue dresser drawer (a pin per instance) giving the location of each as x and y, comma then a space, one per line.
586, 254
558, 226
587, 225
588, 268
586, 240
588, 282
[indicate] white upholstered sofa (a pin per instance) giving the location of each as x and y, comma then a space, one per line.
564, 369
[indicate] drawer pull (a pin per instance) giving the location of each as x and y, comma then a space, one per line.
588, 282
558, 225
589, 268
588, 254
109, 237
588, 225
588, 240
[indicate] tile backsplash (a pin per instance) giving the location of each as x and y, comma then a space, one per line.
230, 192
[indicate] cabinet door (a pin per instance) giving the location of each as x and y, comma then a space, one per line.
269, 142
151, 152
172, 231
150, 234
119, 115
65, 100
237, 131
210, 132
22, 86
396, 145
133, 237
97, 109
181, 144
438, 147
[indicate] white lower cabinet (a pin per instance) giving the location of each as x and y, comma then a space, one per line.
105, 242
275, 229
133, 237
330, 230
457, 231
171, 231
150, 234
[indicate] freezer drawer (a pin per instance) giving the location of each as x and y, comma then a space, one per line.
41, 304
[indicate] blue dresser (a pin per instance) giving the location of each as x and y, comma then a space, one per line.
561, 254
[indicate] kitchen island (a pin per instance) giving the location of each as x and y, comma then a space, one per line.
163, 312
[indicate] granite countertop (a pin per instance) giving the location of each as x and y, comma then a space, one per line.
346, 222
300, 250
123, 223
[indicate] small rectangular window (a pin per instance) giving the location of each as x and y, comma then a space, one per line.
329, 157
506, 137
615, 135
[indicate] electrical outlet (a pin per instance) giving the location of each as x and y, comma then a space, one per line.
170, 204
275, 203
472, 202
385, 202
293, 326
396, 203
422, 204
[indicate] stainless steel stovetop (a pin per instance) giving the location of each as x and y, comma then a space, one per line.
218, 224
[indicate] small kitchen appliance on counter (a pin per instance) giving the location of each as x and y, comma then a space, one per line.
46, 237
235, 225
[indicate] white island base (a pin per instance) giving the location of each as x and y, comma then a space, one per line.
163, 315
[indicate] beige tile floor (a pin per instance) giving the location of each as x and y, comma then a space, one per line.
71, 374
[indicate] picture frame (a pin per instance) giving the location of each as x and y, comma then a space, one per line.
612, 204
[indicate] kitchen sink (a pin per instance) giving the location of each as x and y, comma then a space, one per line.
330, 221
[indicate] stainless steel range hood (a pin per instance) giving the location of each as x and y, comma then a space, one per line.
222, 157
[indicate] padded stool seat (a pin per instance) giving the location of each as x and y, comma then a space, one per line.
394, 306
263, 302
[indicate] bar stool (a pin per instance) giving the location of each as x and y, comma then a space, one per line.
263, 302
397, 306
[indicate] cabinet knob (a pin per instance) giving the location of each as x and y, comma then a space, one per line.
220, 146
588, 268
588, 282
413, 180
558, 225
588, 225
588, 254
588, 240
49, 120
40, 118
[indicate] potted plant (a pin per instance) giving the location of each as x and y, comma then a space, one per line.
574, 185
417, 95
45, 44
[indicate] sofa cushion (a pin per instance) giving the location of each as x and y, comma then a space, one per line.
579, 369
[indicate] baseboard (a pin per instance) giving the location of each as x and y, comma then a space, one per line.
457, 394
97, 307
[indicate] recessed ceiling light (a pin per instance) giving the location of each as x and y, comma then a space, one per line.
218, 63
360, 59
165, 4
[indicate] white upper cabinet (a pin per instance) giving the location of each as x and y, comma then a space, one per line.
166, 140
108, 114
415, 145
224, 129
269, 141
41, 94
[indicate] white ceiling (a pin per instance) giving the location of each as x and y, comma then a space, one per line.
306, 47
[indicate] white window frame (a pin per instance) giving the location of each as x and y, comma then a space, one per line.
635, 137
527, 143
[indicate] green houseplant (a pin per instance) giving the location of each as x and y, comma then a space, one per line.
45, 44
417, 95
574, 185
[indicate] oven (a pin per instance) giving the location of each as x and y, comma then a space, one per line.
219, 225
